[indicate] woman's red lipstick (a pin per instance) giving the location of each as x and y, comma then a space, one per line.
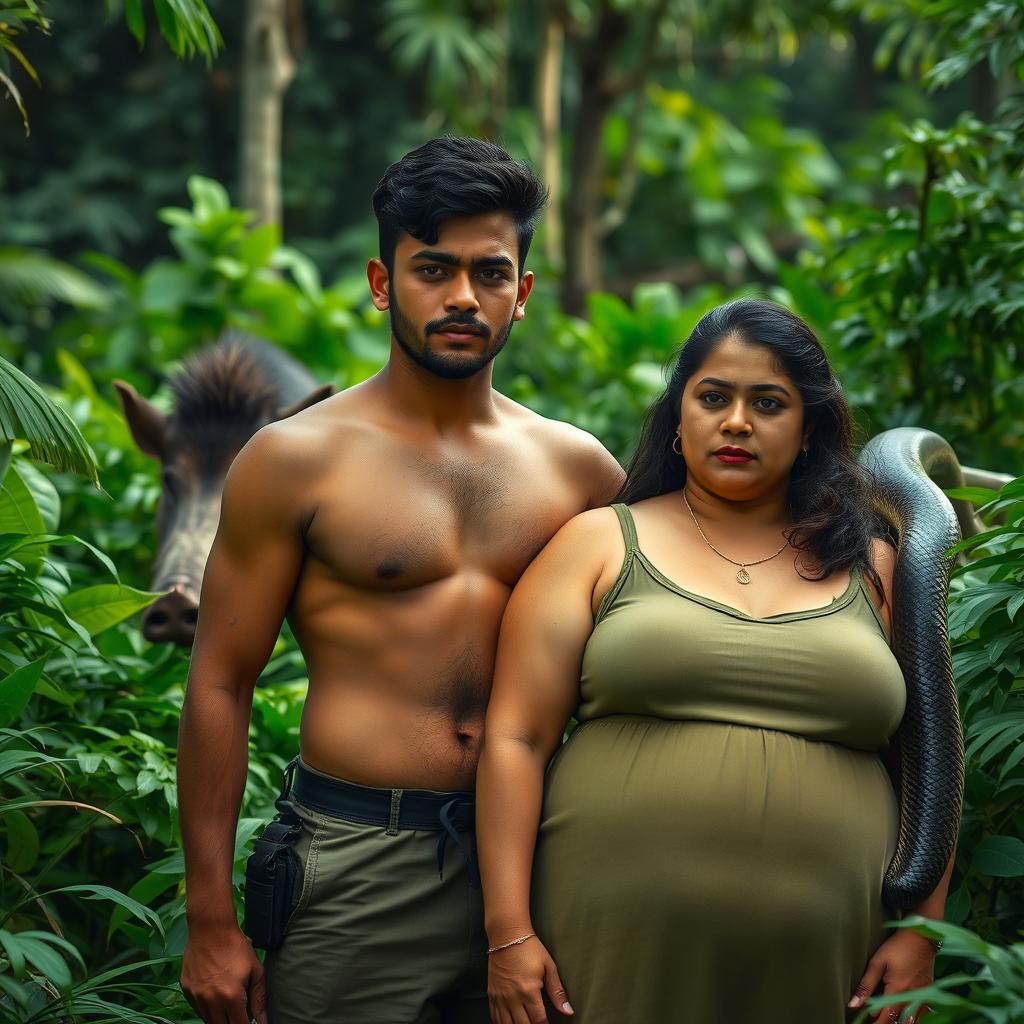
733, 456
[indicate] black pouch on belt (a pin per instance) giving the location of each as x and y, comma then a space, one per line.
273, 875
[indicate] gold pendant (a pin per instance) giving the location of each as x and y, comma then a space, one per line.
743, 576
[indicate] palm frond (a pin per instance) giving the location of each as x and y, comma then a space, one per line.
12, 91
31, 277
188, 27
26, 412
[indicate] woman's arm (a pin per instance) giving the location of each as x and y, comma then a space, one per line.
536, 687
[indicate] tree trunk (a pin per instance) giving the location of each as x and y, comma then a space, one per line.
496, 115
268, 68
549, 115
582, 241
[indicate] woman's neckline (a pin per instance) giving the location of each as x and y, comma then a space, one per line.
838, 601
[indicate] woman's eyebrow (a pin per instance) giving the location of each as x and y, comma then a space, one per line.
718, 383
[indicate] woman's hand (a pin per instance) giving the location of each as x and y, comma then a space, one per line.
904, 962
516, 977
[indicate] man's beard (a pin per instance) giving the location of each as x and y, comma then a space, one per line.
447, 366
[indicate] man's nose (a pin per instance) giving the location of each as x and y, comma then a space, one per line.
461, 295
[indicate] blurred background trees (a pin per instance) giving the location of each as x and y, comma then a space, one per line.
858, 160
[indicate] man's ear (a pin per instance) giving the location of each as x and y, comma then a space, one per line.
525, 287
380, 284
316, 395
146, 422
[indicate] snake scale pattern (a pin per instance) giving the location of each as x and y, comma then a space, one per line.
909, 465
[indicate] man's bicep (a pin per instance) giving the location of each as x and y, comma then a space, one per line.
602, 476
250, 575
609, 477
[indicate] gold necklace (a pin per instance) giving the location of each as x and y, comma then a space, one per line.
742, 576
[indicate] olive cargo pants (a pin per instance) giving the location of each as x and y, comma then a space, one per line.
377, 937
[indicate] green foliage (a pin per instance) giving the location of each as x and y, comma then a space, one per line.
988, 987
439, 37
26, 412
731, 187
28, 277
225, 273
187, 26
602, 373
988, 659
91, 906
15, 17
922, 300
947, 39
926, 297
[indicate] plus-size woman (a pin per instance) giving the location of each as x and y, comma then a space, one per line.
710, 843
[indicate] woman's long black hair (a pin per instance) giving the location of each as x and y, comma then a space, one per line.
828, 500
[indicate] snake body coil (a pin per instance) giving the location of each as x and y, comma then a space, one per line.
907, 463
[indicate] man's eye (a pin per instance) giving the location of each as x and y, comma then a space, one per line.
493, 275
433, 271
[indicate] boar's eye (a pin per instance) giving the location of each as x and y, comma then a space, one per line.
171, 483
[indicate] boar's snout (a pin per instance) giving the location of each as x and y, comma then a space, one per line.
171, 618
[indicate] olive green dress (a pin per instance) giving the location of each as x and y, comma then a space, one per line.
716, 829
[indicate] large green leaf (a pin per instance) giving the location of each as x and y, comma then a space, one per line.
19, 512
104, 605
144, 891
26, 412
31, 278
999, 857
105, 892
22, 842
36, 949
43, 491
17, 688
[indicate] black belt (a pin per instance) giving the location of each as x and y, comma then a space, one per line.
394, 810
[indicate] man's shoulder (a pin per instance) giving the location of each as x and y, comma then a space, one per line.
557, 436
304, 446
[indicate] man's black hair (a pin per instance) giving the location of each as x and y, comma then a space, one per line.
454, 177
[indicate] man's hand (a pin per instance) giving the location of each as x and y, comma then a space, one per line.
904, 962
516, 977
222, 978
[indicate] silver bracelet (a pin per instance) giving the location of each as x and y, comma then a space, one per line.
514, 942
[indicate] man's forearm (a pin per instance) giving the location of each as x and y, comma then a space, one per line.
212, 763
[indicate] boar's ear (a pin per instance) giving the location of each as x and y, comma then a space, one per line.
316, 395
146, 422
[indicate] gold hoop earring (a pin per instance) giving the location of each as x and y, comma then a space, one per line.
677, 440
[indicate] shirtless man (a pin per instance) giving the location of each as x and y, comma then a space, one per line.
389, 524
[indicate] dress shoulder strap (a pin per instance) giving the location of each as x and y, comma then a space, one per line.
628, 527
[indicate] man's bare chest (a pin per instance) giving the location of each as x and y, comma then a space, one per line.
406, 525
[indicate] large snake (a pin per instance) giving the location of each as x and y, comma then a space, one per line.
909, 466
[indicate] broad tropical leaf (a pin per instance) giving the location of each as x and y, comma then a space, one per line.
28, 277
27, 413
17, 689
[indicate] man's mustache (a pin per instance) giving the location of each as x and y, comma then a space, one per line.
457, 320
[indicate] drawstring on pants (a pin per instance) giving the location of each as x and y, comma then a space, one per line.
448, 831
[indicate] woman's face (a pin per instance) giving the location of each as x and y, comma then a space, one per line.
741, 422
